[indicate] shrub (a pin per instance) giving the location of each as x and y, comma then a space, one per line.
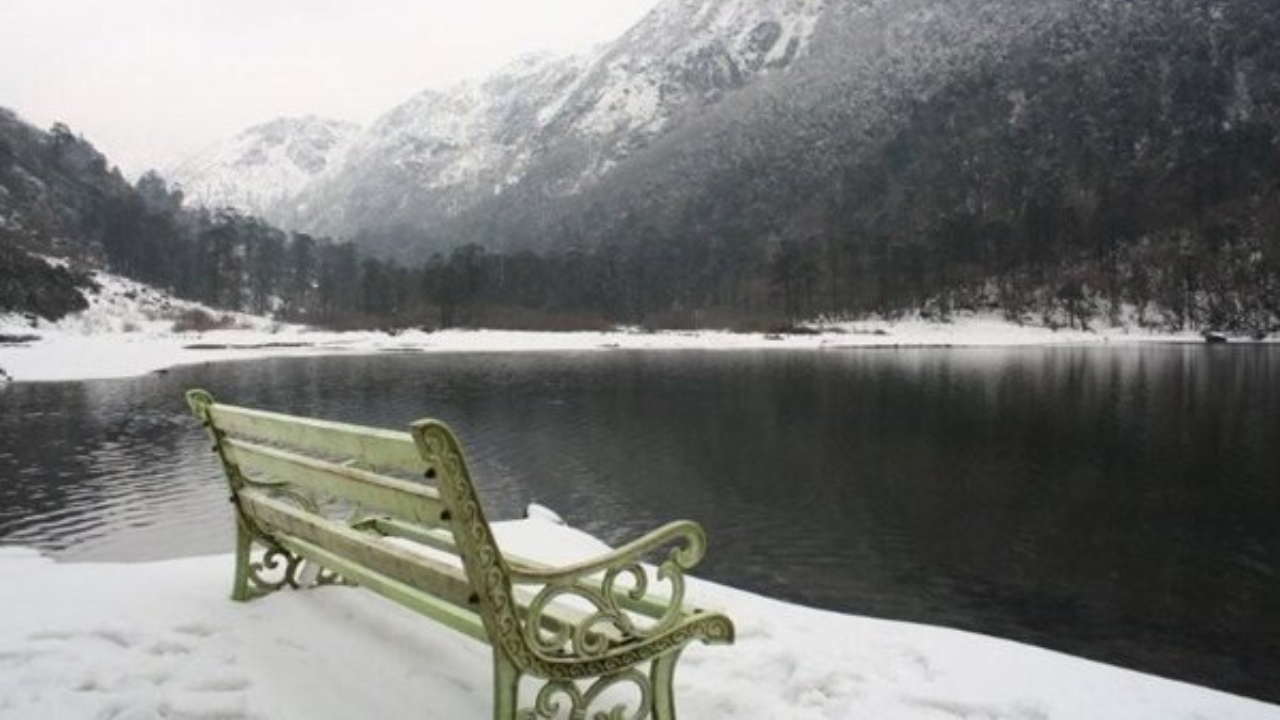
200, 320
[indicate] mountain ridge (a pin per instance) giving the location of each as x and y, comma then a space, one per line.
575, 118
262, 169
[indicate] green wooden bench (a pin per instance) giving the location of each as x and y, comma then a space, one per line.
320, 502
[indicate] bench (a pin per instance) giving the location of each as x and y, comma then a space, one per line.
320, 502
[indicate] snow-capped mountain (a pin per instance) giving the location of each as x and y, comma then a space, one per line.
724, 128
563, 123
685, 55
434, 154
263, 169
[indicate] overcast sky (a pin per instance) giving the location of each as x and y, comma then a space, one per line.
151, 81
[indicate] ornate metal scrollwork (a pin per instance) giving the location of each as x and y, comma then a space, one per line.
611, 640
325, 576
609, 620
563, 698
277, 567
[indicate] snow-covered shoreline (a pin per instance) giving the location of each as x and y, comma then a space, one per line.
129, 330
72, 356
161, 639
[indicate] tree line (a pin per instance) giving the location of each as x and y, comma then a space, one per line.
1183, 237
1053, 265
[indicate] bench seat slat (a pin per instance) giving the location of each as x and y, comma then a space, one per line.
382, 565
464, 621
441, 540
344, 546
284, 519
649, 606
371, 448
372, 492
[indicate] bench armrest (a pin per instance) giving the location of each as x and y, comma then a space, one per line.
681, 558
613, 608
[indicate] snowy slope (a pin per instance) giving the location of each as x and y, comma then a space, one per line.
682, 56
156, 640
437, 152
262, 169
121, 305
564, 122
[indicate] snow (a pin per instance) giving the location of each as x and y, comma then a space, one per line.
161, 639
124, 306
266, 165
797, 18
62, 355
461, 141
642, 84
627, 101
129, 331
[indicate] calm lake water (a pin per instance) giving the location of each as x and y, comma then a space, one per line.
1117, 503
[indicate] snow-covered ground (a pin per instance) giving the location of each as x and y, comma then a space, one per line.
129, 330
161, 640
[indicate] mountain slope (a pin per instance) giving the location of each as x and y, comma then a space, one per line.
764, 150
264, 168
574, 120
437, 152
698, 90
1043, 157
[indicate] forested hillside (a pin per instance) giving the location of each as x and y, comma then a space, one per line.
1130, 156
61, 198
1065, 161
1060, 162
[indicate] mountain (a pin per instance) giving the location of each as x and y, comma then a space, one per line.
264, 168
570, 120
749, 151
438, 152
1054, 160
697, 88
66, 212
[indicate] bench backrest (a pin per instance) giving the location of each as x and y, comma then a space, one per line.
346, 462
371, 469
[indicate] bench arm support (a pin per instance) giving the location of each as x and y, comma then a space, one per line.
681, 558
618, 611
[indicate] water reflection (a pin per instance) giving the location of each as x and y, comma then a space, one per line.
1113, 502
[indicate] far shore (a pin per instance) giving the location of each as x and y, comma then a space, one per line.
60, 354
130, 330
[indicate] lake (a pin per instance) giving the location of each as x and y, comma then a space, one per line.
1117, 503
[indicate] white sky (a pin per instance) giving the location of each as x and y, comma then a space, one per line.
152, 81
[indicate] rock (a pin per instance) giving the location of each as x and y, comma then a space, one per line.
33, 287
